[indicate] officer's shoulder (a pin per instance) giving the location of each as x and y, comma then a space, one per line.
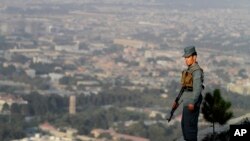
197, 72
196, 68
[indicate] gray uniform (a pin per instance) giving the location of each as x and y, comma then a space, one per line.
193, 96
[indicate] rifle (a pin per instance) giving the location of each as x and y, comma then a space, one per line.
176, 105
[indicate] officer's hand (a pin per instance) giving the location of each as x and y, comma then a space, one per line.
191, 107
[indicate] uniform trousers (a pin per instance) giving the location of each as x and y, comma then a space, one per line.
189, 123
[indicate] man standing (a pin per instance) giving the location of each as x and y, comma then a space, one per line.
192, 81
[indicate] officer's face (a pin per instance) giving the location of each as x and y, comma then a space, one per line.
190, 60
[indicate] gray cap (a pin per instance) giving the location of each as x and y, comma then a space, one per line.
188, 51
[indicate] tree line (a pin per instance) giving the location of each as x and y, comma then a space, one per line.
104, 111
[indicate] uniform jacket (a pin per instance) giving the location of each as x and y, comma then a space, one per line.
194, 96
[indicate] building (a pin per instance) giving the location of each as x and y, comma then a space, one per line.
72, 104
10, 99
55, 77
128, 43
116, 136
68, 48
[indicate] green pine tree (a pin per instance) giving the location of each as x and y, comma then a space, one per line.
215, 109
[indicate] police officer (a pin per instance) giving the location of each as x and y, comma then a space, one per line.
192, 81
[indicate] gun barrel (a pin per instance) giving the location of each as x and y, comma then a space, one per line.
169, 119
171, 115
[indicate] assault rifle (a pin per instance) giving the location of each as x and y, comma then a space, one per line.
176, 103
